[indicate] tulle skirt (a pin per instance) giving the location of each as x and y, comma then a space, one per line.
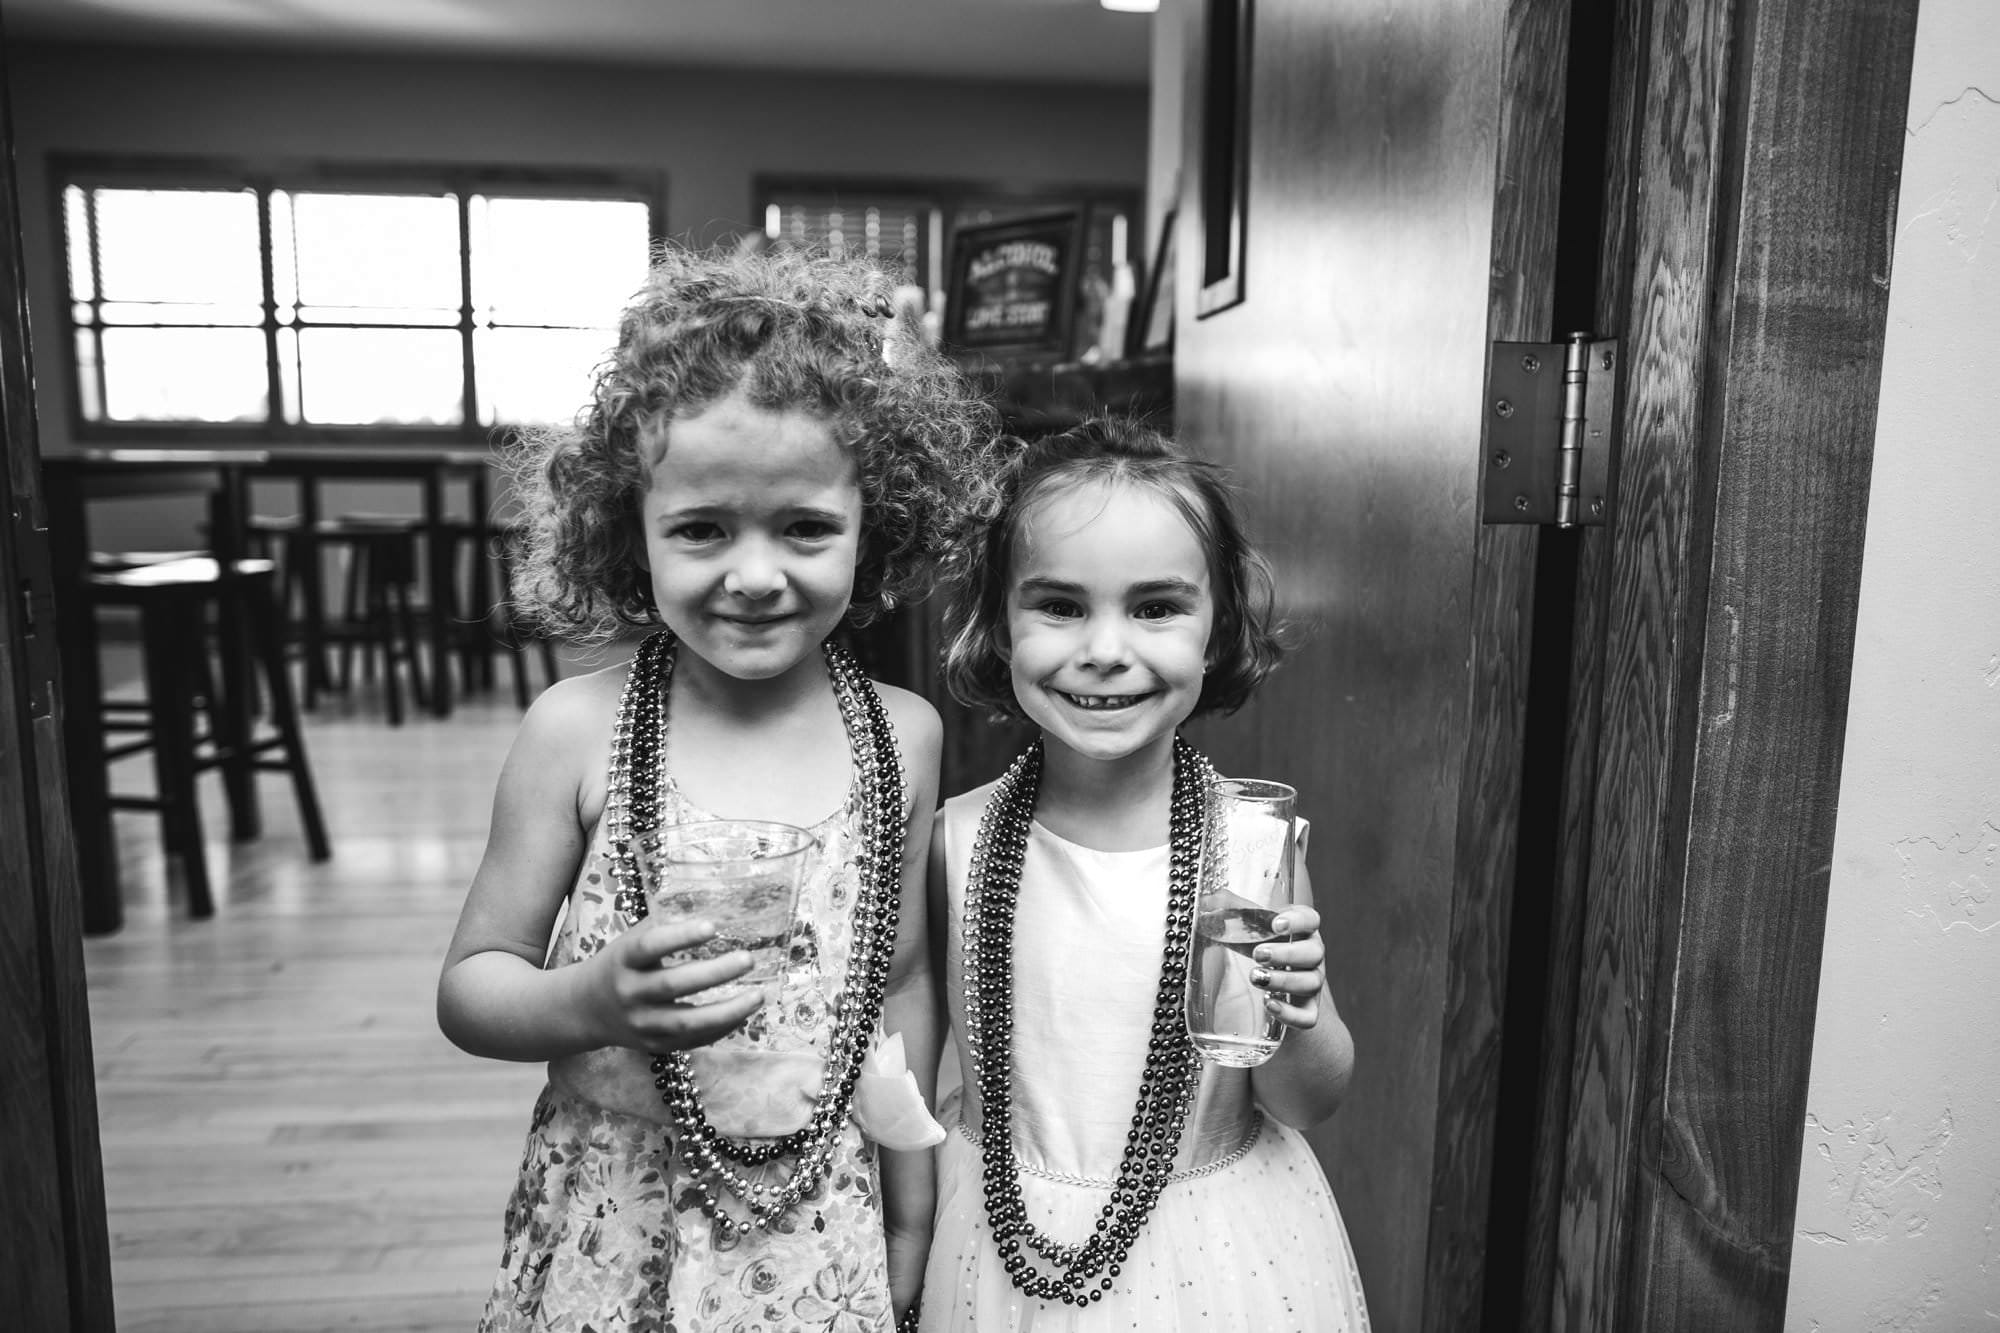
1254, 1243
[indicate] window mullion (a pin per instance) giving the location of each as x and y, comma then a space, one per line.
465, 311
274, 416
101, 393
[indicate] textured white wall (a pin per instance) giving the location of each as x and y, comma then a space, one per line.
1899, 1191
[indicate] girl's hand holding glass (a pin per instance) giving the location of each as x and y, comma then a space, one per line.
1290, 970
640, 999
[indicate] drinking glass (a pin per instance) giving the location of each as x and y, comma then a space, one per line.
741, 874
1246, 881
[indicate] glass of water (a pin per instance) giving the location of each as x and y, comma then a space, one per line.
1246, 881
741, 874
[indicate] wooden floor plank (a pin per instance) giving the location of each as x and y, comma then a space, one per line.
290, 1145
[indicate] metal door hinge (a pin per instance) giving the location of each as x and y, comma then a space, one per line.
36, 607
1551, 431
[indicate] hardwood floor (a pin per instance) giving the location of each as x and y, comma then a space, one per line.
289, 1143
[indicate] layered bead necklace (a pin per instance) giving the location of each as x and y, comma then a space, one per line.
633, 811
1084, 1271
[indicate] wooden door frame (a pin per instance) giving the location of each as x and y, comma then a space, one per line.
1753, 165
57, 1273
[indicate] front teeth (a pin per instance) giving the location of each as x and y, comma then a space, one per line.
1103, 702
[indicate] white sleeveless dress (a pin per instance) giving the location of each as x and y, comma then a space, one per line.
1246, 1236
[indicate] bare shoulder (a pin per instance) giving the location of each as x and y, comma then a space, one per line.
573, 708
566, 735
917, 724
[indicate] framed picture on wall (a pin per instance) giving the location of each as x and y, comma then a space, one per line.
1011, 289
1153, 328
1223, 182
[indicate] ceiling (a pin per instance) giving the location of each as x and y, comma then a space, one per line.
1070, 41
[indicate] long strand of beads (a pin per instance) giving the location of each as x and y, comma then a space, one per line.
1089, 1269
634, 811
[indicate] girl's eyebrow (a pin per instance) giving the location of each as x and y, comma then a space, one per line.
824, 514
1149, 588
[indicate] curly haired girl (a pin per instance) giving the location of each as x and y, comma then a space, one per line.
764, 460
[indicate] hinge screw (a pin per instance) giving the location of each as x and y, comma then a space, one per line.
1597, 504
1504, 408
1501, 458
1604, 362
1531, 364
1521, 502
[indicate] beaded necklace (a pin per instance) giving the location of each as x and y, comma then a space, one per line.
1085, 1271
633, 810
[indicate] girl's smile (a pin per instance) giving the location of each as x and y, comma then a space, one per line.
1108, 617
1103, 702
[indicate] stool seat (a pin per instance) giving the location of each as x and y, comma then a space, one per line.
195, 571
363, 525
111, 561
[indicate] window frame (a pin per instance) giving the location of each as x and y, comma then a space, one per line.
458, 179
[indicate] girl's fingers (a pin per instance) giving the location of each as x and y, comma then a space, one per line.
1293, 987
648, 946
676, 1027
1296, 920
1295, 1003
677, 981
1300, 955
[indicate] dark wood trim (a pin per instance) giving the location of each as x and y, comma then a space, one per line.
1222, 168
1654, 554
57, 1272
1722, 602
1528, 184
1811, 164
1630, 22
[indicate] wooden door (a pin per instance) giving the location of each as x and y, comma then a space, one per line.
1751, 173
1572, 798
56, 1271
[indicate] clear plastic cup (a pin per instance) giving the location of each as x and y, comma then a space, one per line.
743, 875
1246, 881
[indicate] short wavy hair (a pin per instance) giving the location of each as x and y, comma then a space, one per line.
1246, 639
793, 330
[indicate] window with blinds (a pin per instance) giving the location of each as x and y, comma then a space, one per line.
895, 233
906, 227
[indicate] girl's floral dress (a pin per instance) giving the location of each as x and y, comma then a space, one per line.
604, 1231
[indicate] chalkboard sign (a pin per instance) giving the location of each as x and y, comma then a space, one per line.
1013, 286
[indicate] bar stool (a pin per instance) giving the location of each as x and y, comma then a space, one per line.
376, 614
483, 578
512, 630
174, 599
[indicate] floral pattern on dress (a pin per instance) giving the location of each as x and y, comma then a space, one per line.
604, 1231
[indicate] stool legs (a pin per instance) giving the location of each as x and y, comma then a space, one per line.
170, 683
270, 648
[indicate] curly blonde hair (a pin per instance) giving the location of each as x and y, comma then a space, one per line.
793, 330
